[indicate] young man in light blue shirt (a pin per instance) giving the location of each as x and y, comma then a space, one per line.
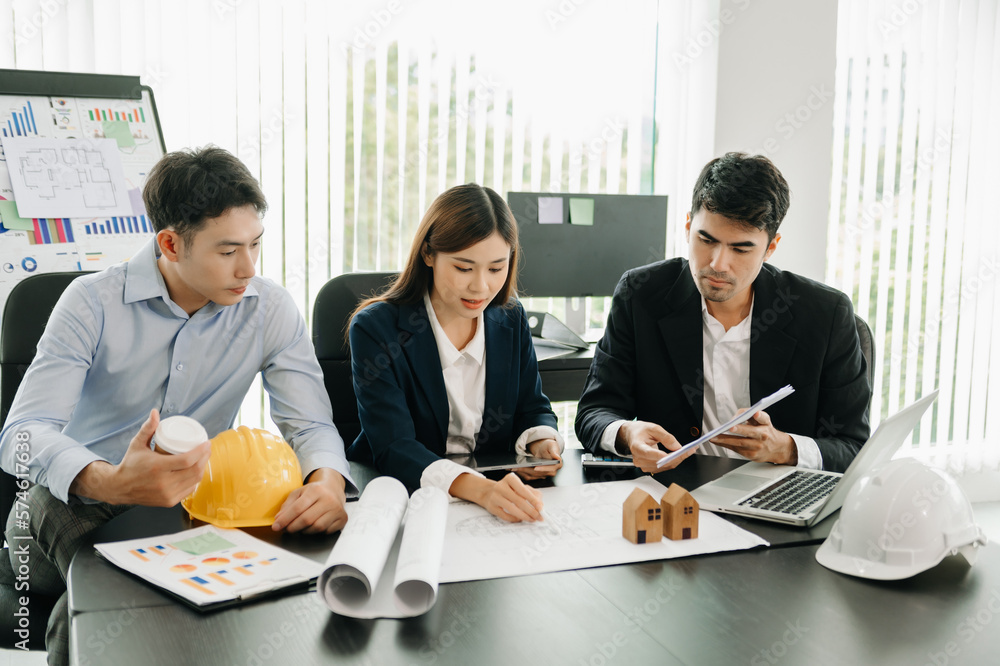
182, 328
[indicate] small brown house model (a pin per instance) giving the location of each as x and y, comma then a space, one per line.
680, 514
642, 518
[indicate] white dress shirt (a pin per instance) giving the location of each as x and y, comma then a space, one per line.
726, 366
464, 374
117, 339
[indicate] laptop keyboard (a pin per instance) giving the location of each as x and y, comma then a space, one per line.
793, 493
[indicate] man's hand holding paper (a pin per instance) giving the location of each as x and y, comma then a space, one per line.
717, 436
757, 439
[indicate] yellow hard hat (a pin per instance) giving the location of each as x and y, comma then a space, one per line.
249, 476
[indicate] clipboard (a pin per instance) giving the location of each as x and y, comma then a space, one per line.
742, 417
210, 568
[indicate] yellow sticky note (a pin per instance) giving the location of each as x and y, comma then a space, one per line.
120, 132
10, 218
581, 211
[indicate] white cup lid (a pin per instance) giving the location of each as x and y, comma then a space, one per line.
179, 434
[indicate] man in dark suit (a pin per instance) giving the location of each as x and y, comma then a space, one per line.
689, 342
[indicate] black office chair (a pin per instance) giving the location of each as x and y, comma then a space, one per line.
334, 304
24, 317
867, 348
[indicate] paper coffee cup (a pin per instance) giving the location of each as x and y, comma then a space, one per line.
178, 434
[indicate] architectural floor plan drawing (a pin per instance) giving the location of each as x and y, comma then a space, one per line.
557, 524
40, 234
66, 177
582, 528
46, 171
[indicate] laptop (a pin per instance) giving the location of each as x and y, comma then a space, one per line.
793, 496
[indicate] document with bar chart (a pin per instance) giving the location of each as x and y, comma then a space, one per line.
79, 167
210, 568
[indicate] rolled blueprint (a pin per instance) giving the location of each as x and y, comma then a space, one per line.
377, 570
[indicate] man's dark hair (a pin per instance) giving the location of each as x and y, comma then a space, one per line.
747, 188
187, 187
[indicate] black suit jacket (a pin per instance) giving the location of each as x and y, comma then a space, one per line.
648, 365
402, 403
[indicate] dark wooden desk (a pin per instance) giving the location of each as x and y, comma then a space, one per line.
758, 607
95, 585
754, 607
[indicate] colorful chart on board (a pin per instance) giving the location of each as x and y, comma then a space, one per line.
60, 242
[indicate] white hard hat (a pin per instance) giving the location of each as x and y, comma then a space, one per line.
899, 520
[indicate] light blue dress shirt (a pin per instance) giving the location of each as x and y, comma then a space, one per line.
116, 346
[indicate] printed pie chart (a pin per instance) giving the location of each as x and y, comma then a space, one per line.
183, 568
215, 560
245, 555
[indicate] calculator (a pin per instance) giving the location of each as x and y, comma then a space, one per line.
590, 460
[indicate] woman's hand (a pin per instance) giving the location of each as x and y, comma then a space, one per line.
508, 499
542, 448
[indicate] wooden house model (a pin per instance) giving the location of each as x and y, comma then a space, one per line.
680, 514
642, 518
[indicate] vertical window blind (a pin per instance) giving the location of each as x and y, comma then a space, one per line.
354, 116
912, 239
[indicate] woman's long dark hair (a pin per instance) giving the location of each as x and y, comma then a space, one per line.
458, 219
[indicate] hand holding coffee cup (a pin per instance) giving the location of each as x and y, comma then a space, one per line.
178, 434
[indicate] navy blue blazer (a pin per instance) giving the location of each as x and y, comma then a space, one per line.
401, 396
649, 363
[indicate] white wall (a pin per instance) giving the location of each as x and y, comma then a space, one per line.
775, 97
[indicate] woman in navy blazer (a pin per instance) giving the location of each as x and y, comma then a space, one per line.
443, 361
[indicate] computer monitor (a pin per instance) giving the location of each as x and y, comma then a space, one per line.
580, 244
